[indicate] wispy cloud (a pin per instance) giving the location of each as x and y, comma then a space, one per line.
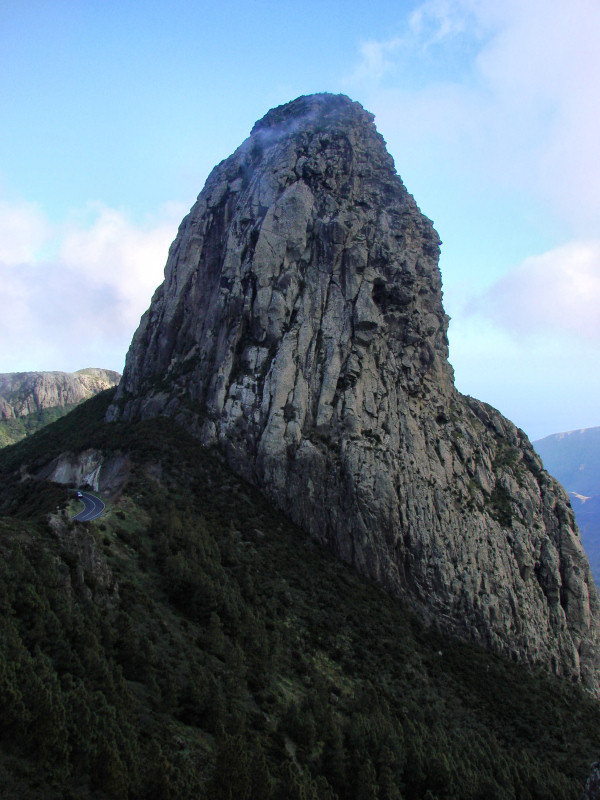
545, 382
436, 21
112, 253
556, 292
72, 295
23, 231
376, 59
433, 23
512, 87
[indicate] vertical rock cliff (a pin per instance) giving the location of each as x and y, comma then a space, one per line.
300, 330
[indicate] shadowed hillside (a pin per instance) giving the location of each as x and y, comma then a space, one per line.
192, 643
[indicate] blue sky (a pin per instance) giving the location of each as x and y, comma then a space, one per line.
113, 113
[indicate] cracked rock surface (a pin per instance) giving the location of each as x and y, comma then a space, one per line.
300, 330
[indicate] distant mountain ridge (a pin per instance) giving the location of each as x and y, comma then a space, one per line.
30, 400
574, 458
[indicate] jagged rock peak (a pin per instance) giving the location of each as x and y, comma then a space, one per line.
321, 109
300, 331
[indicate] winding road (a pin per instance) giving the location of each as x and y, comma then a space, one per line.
93, 508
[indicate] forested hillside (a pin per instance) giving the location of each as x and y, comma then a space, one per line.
14, 429
192, 643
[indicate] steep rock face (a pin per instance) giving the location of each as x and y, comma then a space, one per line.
300, 330
23, 393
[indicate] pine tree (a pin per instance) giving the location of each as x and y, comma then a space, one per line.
231, 779
388, 777
261, 783
366, 782
333, 758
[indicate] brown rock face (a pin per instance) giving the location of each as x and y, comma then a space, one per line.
300, 330
23, 393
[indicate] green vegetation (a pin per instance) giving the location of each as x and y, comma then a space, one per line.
192, 643
501, 506
13, 430
81, 428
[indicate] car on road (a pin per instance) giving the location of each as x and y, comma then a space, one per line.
79, 494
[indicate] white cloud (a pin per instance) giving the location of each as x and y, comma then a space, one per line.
79, 306
544, 383
437, 20
23, 231
376, 60
556, 292
505, 91
434, 22
115, 256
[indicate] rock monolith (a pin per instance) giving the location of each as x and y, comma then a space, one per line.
300, 332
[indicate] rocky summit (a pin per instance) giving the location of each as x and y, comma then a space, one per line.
300, 332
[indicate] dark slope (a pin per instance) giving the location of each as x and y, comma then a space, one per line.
193, 643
